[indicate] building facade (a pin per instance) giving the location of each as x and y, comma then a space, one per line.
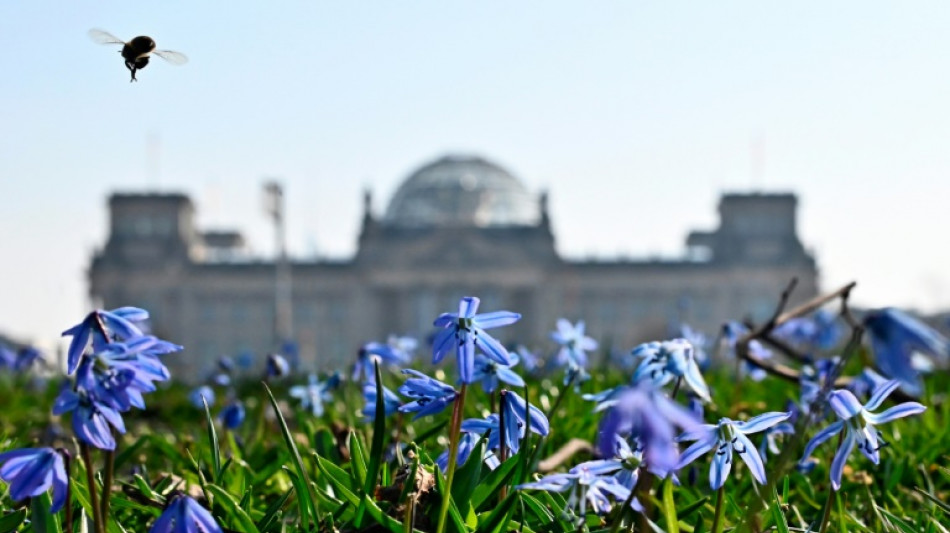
457, 226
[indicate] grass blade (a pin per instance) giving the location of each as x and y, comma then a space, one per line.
307, 495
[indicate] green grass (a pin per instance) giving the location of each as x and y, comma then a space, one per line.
300, 473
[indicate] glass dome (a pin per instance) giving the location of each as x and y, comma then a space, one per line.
462, 191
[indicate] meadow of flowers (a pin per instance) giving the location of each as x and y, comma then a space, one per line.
820, 418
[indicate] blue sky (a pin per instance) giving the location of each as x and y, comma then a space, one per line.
635, 115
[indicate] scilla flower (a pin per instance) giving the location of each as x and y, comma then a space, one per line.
574, 343
858, 422
490, 372
316, 392
519, 417
200, 395
465, 331
102, 327
277, 366
32, 471
901, 344
391, 402
430, 396
590, 483
232, 416
185, 515
642, 412
662, 362
726, 437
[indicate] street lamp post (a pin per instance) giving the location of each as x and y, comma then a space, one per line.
283, 282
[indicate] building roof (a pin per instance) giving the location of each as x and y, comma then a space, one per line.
462, 191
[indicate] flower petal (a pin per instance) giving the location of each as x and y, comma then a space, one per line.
845, 404
761, 422
496, 319
751, 457
821, 437
898, 411
442, 344
491, 347
694, 378
841, 457
468, 306
696, 450
720, 467
881, 392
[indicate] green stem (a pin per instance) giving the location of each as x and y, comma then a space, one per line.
91, 486
623, 512
68, 463
453, 456
676, 388
502, 448
560, 397
826, 516
717, 517
107, 482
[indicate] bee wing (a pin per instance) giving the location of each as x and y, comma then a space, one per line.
175, 58
104, 37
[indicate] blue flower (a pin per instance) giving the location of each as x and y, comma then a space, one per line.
26, 357
196, 395
103, 327
643, 413
315, 393
858, 422
519, 416
430, 395
590, 483
726, 437
529, 360
770, 442
731, 333
822, 331
662, 362
277, 366
895, 338
32, 471
391, 402
226, 364
574, 344
465, 330
184, 515
490, 372
371, 352
93, 421
232, 416
864, 383
813, 381
467, 442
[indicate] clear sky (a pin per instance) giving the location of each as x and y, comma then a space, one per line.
635, 115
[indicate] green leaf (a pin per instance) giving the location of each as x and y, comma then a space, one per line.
270, 515
493, 481
307, 494
467, 477
338, 479
302, 507
42, 520
669, 508
234, 512
213, 439
381, 518
900, 523
940, 504
455, 518
780, 524
500, 515
535, 507
12, 521
379, 435
357, 460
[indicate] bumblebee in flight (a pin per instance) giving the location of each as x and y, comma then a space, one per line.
137, 51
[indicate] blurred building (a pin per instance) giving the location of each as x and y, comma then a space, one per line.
456, 226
